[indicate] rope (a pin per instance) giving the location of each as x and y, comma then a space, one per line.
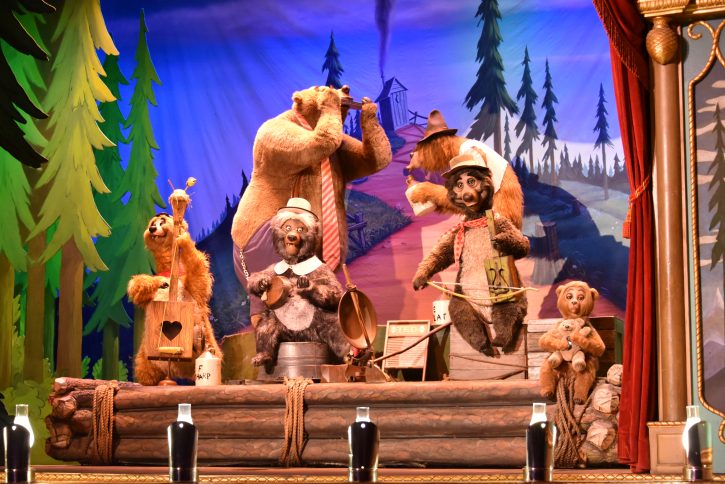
294, 421
627, 225
571, 436
103, 420
480, 299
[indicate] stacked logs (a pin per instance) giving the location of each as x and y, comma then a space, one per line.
469, 424
71, 415
600, 419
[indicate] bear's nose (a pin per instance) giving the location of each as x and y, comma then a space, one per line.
468, 197
152, 229
292, 237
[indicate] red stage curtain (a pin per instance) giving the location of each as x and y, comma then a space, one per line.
626, 29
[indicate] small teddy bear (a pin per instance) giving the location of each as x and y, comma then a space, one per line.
306, 310
574, 355
575, 344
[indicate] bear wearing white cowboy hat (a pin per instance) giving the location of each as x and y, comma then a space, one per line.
470, 189
301, 292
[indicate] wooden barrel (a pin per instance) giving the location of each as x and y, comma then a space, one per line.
298, 359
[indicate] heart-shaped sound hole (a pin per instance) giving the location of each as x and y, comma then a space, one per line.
171, 329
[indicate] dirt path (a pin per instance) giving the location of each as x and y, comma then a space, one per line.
386, 271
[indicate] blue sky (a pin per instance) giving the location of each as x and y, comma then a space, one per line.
228, 65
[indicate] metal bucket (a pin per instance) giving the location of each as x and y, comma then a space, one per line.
298, 359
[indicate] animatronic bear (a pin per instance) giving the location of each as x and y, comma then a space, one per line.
575, 301
307, 311
470, 189
196, 283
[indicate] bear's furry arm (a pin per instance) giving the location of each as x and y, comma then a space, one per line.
258, 282
438, 259
280, 139
324, 290
591, 344
359, 159
142, 288
198, 279
509, 240
553, 341
432, 192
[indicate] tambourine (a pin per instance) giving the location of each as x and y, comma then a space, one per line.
278, 292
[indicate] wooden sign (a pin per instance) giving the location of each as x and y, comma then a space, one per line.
401, 334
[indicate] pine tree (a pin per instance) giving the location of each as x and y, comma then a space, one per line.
15, 103
140, 177
603, 139
597, 170
71, 173
717, 187
507, 140
490, 86
590, 171
565, 167
332, 65
527, 122
110, 286
26, 70
550, 135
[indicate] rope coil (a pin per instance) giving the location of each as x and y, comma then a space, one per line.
294, 421
571, 434
104, 420
480, 300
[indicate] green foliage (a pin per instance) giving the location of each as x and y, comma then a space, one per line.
110, 287
547, 103
71, 103
332, 65
527, 122
15, 213
602, 125
139, 179
85, 366
490, 86
97, 371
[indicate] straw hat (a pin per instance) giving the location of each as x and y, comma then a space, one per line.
436, 126
463, 161
298, 205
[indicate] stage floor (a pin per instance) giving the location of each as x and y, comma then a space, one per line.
129, 474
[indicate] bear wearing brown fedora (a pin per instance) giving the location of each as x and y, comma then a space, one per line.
470, 189
301, 292
433, 152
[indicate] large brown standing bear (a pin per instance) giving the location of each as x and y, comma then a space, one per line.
470, 189
574, 334
435, 150
195, 282
288, 160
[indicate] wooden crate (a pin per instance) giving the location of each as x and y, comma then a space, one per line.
610, 328
465, 363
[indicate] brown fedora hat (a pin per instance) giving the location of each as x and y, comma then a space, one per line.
465, 160
436, 126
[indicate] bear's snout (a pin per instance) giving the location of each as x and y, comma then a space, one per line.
469, 197
292, 237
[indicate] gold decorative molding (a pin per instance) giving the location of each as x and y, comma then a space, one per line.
715, 55
662, 42
270, 477
653, 8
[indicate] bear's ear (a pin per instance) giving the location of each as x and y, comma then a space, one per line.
559, 290
595, 294
297, 97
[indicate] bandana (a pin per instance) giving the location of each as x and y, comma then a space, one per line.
460, 230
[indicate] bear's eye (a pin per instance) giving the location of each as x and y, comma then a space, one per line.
580, 297
569, 296
471, 181
287, 228
459, 184
299, 229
